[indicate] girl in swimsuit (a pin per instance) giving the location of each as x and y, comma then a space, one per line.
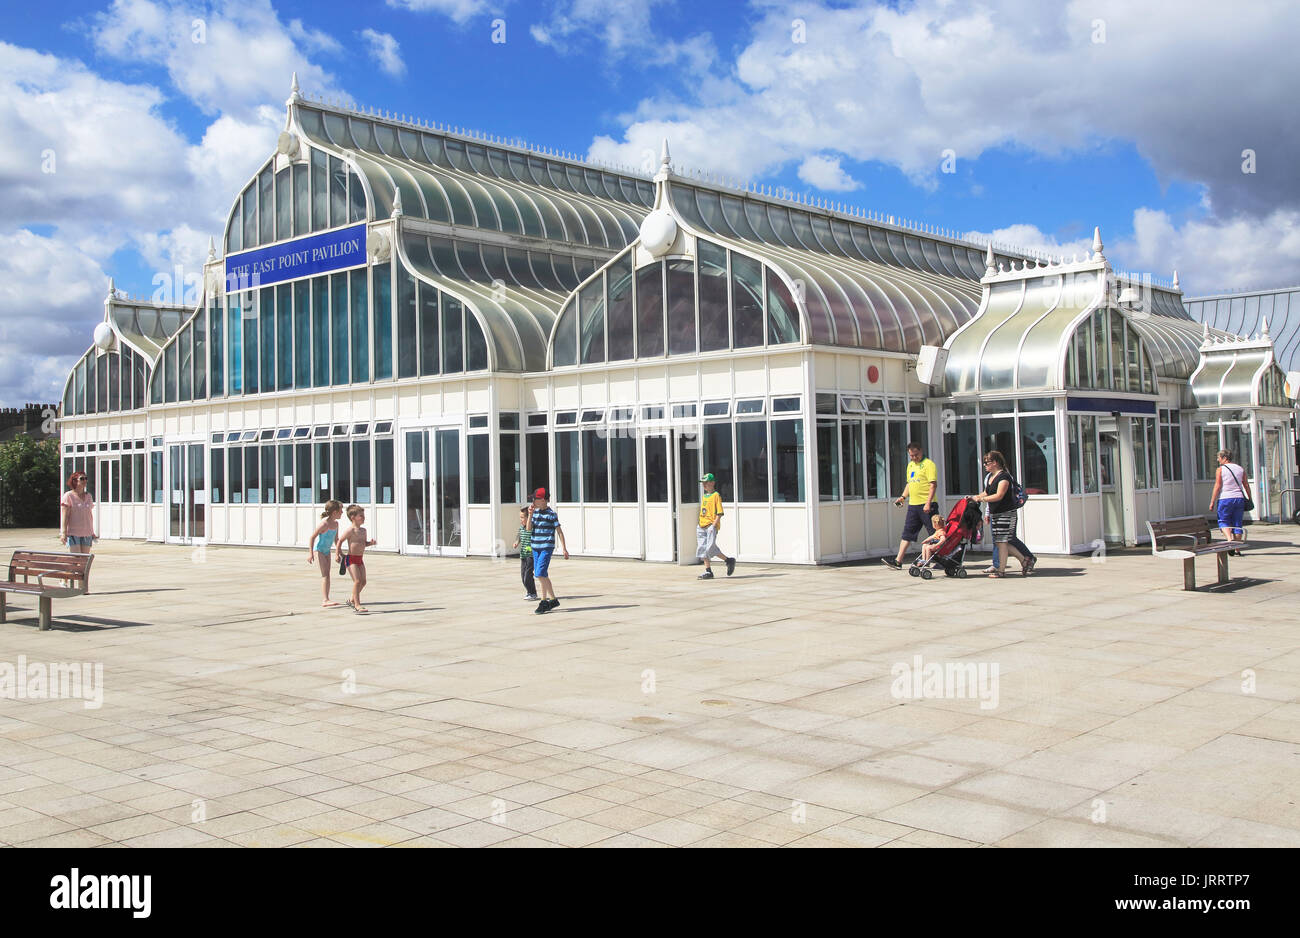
322, 543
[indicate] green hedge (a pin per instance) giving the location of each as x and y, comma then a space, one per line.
29, 482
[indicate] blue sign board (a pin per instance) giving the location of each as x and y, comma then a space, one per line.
302, 257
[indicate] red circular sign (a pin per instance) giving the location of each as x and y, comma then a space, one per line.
873, 374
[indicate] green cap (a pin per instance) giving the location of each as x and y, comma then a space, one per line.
708, 477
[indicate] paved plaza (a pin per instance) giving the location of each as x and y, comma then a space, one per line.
1092, 704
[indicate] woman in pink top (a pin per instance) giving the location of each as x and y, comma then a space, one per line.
77, 516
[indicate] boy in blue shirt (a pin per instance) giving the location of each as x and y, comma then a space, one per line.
544, 526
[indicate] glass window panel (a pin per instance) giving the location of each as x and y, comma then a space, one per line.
407, 346
1139, 452
270, 483
621, 323
1091, 474
622, 458
249, 201
650, 311
200, 358
681, 307
137, 488
361, 472
283, 204
999, 434
656, 469
746, 301
301, 201
338, 298
874, 457
1038, 449
782, 313
509, 468
787, 460
751, 448
322, 476
115, 377
302, 344
288, 489
252, 494
828, 461
235, 343
564, 349
235, 230
480, 488
539, 464
383, 494
356, 199
284, 336
338, 192
302, 482
235, 459
320, 206
591, 310
126, 480
360, 349
266, 339
265, 208
595, 466
717, 458
342, 477
452, 335
851, 452
476, 357
383, 320
566, 466
428, 298
320, 332
173, 357
216, 352
714, 316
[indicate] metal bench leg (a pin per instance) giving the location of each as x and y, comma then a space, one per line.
1189, 573
2, 607
1223, 566
45, 602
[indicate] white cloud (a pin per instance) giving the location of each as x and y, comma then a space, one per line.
386, 52
459, 11
234, 60
624, 30
825, 172
1190, 84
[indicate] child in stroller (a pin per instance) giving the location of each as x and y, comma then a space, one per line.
946, 548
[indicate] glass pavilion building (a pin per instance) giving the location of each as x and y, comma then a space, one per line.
432, 324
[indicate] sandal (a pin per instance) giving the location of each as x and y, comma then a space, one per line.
998, 575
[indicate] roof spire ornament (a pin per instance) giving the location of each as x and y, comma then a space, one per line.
989, 269
112, 293
1176, 286
1263, 328
665, 161
294, 95
212, 249
1097, 246
1205, 331
397, 202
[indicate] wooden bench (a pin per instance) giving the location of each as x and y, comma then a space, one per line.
72, 569
1186, 539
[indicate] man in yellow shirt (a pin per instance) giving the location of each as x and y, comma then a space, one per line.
922, 481
706, 535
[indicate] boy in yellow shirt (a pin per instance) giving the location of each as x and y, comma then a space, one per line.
706, 535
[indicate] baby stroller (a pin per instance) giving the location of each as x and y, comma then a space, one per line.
962, 529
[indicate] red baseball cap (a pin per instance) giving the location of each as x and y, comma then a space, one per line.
540, 493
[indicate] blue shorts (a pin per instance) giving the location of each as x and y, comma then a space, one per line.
542, 560
76, 541
917, 518
1230, 512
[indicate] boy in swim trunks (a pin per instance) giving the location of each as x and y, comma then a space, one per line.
352, 540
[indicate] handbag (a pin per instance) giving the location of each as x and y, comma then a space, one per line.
1250, 502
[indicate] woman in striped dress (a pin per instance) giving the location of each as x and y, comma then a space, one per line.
1002, 511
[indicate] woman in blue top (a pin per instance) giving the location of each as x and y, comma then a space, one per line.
322, 542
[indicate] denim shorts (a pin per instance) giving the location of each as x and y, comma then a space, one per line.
75, 540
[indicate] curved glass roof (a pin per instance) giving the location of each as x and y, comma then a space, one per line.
146, 328
1234, 377
1245, 314
865, 286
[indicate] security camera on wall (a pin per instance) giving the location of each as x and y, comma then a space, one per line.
931, 363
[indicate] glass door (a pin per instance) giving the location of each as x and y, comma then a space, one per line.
187, 493
1112, 489
433, 503
689, 492
1271, 505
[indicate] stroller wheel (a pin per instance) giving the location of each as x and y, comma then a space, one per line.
927, 573
914, 571
961, 573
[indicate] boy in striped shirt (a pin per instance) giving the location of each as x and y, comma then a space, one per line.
524, 541
544, 526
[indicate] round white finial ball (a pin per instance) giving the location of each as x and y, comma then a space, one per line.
104, 337
658, 232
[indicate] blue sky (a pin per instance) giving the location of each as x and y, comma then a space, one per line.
1054, 119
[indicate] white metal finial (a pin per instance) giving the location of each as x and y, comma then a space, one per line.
111, 292
1205, 330
293, 87
212, 249
1097, 246
1176, 287
988, 259
1263, 328
397, 202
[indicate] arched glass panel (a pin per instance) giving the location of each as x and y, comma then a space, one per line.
565, 347
235, 229
650, 311
746, 301
621, 324
591, 307
283, 204
249, 202
476, 356
733, 212
782, 313
453, 335
266, 206
681, 306
714, 316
